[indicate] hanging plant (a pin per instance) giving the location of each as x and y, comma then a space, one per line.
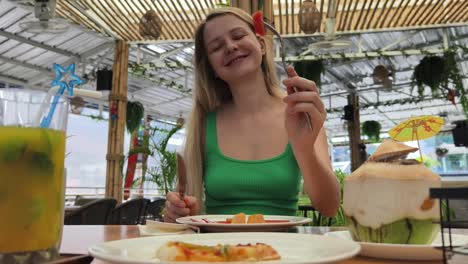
135, 111
441, 152
311, 70
442, 75
372, 130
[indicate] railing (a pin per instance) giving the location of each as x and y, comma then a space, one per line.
99, 192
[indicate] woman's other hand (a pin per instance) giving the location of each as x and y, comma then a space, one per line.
176, 208
306, 100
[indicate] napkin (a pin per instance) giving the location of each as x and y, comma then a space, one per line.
156, 228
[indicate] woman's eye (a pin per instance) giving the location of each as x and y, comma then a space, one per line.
238, 36
215, 48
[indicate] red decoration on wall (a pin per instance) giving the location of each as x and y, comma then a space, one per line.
131, 167
114, 111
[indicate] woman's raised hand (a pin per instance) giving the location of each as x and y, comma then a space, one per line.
175, 207
306, 100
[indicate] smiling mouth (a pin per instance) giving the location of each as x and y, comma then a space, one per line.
235, 60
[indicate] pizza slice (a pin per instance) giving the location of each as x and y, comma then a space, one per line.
181, 251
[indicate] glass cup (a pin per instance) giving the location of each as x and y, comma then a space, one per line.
32, 181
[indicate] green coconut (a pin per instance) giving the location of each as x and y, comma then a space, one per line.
404, 231
386, 200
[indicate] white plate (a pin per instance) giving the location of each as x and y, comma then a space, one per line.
402, 251
169, 227
293, 248
215, 226
147, 231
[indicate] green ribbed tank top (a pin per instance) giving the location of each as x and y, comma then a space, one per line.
269, 186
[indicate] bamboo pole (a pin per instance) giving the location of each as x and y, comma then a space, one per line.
354, 130
116, 134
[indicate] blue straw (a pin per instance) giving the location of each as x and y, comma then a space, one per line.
45, 123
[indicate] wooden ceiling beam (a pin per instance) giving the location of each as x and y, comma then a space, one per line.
99, 11
348, 11
190, 23
432, 11
411, 9
168, 27
457, 6
439, 16
124, 19
372, 18
350, 22
280, 16
419, 12
195, 11
459, 16
367, 12
402, 11
172, 16
342, 16
395, 14
356, 25
386, 15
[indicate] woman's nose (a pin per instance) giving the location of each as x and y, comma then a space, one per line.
231, 46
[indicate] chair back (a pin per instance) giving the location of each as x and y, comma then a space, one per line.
82, 200
93, 213
154, 209
131, 212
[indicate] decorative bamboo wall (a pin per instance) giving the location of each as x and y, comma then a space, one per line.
120, 18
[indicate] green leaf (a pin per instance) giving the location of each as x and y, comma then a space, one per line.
35, 209
12, 151
41, 162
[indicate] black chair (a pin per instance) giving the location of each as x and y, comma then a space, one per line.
82, 200
93, 213
131, 212
154, 209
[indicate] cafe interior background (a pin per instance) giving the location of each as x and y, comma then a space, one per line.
362, 54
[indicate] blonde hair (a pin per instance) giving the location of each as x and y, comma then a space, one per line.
211, 92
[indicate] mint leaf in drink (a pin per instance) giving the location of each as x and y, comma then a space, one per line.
3, 194
12, 151
35, 209
41, 162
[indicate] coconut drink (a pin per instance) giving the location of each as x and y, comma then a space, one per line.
386, 200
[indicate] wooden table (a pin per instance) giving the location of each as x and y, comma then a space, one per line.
77, 239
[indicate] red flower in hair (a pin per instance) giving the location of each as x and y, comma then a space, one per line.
258, 23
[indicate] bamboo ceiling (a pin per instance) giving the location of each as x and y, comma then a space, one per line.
120, 18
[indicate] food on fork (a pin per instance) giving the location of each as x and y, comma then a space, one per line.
182, 251
386, 200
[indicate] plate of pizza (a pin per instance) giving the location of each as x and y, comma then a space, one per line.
258, 247
243, 223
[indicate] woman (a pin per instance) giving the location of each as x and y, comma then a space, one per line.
247, 141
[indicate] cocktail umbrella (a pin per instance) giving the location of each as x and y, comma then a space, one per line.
416, 128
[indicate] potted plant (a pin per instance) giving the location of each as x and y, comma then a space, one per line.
371, 129
442, 75
311, 70
441, 152
154, 145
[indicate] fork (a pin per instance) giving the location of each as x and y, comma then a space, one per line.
285, 66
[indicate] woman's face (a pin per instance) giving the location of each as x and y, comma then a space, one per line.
233, 49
